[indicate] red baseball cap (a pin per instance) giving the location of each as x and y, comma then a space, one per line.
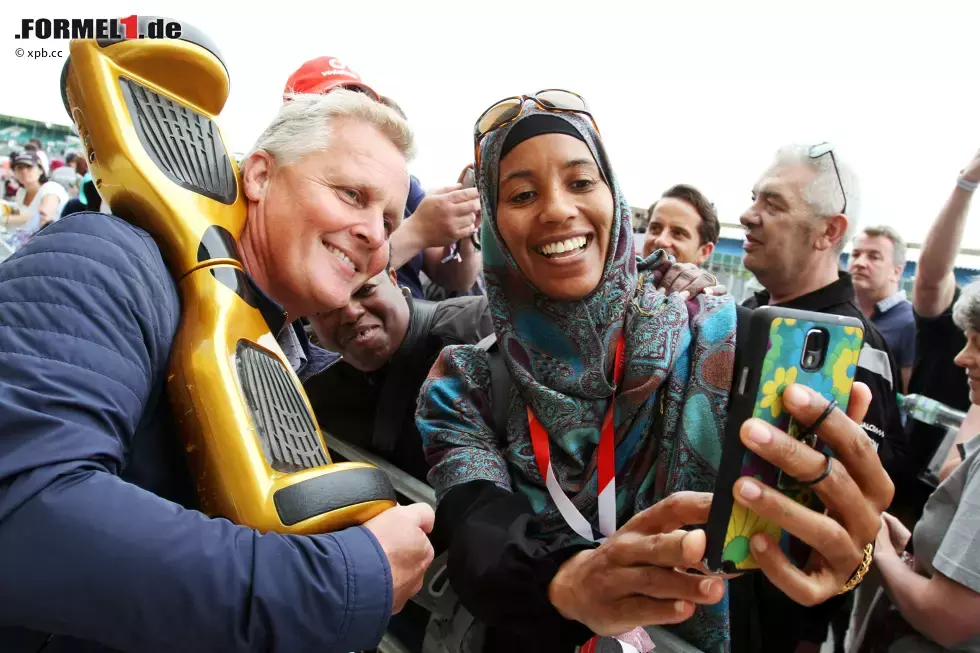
322, 75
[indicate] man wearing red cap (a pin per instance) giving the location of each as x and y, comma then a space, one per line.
441, 219
322, 75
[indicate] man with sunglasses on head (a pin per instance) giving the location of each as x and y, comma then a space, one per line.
437, 240
804, 211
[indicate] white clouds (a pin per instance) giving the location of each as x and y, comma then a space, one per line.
702, 93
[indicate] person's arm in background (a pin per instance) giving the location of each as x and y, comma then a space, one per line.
934, 279
86, 323
49, 209
19, 215
16, 219
944, 608
969, 429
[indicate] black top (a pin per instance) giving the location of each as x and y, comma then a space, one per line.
937, 342
376, 410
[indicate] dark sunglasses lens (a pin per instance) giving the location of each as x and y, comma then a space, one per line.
498, 114
562, 100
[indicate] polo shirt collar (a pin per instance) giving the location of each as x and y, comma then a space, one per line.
839, 292
889, 303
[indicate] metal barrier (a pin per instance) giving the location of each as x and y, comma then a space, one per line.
416, 491
390, 644
405, 484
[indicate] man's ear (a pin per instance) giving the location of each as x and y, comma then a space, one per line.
898, 270
834, 229
393, 275
257, 173
704, 252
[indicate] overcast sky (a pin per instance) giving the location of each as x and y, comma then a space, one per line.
695, 92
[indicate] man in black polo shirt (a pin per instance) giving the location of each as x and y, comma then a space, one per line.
804, 210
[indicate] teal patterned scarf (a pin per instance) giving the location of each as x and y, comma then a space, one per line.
669, 413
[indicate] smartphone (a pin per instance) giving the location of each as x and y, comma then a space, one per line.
783, 346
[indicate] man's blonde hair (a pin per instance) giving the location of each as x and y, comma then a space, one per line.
305, 120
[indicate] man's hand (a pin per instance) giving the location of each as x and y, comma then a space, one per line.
972, 171
445, 216
402, 532
638, 577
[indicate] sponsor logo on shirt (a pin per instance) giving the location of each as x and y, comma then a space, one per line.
877, 435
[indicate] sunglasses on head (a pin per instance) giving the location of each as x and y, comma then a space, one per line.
820, 150
510, 109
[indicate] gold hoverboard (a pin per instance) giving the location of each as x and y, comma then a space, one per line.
145, 111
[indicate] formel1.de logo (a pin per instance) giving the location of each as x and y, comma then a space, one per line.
130, 27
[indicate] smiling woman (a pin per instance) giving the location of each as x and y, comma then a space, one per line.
589, 344
553, 177
569, 460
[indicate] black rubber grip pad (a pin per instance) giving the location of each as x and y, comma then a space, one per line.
184, 144
282, 421
332, 491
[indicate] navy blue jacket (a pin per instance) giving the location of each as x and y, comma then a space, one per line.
100, 547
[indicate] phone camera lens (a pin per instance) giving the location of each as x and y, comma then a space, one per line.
814, 349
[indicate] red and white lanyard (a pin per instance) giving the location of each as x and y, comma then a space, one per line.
607, 480
606, 467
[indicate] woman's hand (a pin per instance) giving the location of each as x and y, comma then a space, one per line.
632, 579
883, 543
893, 536
856, 493
690, 280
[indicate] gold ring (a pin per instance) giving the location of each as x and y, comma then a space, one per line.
861, 570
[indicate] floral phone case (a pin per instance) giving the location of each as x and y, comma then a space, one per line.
778, 352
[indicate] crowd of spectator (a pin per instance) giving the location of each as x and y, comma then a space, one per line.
474, 318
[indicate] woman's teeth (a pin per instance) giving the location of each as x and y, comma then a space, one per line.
339, 254
572, 244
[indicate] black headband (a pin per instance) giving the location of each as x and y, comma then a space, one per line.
536, 125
